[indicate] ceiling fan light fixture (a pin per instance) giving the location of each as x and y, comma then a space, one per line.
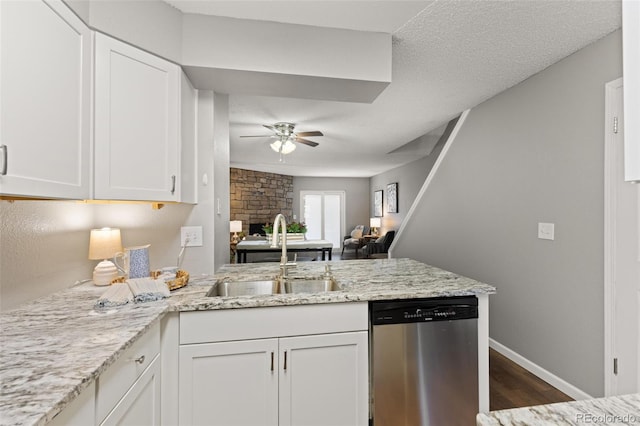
285, 147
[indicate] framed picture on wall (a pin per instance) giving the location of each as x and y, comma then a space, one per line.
377, 203
392, 197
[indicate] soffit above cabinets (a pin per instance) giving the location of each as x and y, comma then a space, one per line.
447, 56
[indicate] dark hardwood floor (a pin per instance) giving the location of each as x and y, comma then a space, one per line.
511, 386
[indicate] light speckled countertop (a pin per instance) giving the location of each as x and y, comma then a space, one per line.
53, 348
615, 410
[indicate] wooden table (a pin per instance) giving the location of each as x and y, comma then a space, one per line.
244, 247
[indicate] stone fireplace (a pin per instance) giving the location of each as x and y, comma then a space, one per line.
257, 197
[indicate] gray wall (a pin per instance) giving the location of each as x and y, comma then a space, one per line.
533, 153
410, 178
356, 199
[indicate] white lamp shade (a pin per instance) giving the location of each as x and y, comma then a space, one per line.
104, 243
235, 226
374, 222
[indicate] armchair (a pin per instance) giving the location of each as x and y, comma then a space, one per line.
355, 240
380, 246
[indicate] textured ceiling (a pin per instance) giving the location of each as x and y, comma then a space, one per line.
448, 56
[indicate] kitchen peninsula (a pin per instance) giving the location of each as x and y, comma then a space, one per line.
618, 410
59, 347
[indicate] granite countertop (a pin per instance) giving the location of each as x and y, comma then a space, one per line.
56, 346
618, 410
361, 280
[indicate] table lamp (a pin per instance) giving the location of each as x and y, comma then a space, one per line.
104, 243
374, 223
235, 227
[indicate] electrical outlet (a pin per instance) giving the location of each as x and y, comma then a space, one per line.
546, 231
193, 234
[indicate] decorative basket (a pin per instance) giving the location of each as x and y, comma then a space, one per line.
182, 278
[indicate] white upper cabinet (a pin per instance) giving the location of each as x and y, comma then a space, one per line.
45, 90
137, 124
188, 147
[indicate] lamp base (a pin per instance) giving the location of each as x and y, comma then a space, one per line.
104, 273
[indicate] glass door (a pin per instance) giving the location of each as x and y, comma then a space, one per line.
323, 213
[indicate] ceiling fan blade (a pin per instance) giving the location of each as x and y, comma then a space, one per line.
307, 142
307, 134
273, 129
256, 136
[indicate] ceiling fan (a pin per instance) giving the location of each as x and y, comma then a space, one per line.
286, 137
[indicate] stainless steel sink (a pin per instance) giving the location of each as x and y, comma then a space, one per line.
244, 288
310, 285
267, 287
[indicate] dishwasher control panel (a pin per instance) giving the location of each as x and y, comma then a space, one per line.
421, 310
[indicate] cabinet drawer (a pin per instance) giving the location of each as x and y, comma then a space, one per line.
260, 323
141, 404
114, 383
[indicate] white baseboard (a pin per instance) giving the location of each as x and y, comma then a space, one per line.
540, 372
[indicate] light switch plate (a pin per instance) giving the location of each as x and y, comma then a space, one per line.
193, 233
546, 231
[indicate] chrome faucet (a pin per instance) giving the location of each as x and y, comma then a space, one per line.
280, 221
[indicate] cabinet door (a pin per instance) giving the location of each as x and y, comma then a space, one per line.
324, 380
141, 404
80, 412
137, 117
231, 383
45, 87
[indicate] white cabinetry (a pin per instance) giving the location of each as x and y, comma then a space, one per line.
324, 379
141, 404
188, 148
230, 383
275, 366
128, 393
80, 412
45, 86
137, 124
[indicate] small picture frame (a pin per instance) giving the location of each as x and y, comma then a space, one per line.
392, 197
377, 203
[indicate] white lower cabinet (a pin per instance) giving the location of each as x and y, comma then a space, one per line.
324, 379
128, 393
305, 380
298, 365
80, 412
141, 404
230, 383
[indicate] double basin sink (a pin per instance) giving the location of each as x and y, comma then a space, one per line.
275, 286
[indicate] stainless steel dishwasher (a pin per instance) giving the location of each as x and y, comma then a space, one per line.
424, 362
